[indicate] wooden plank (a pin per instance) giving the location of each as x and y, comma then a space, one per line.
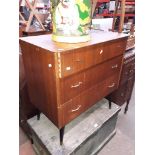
122, 16
33, 14
94, 2
114, 17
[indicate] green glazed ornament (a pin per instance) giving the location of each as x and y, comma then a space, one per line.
71, 20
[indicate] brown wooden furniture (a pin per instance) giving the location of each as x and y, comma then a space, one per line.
26, 108
64, 80
33, 31
124, 91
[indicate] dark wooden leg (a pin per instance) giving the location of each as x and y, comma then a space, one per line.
61, 135
38, 116
31, 139
109, 104
126, 108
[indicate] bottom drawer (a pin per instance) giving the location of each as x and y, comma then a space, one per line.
85, 100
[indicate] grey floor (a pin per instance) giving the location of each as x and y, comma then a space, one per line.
123, 143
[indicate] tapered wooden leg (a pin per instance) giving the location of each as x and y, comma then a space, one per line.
38, 116
126, 107
62, 135
31, 139
109, 104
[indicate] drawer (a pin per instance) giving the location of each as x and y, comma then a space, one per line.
86, 99
130, 85
72, 62
83, 58
114, 49
111, 84
107, 51
128, 70
102, 71
72, 86
72, 109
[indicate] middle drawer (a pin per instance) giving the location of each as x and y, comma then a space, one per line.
73, 85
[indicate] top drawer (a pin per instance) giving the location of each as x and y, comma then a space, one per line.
79, 59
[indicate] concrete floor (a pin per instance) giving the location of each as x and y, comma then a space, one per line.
123, 143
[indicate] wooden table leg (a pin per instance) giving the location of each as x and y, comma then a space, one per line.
38, 115
126, 107
62, 134
109, 104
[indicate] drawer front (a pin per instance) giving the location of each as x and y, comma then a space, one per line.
115, 49
130, 85
127, 71
107, 51
72, 109
132, 68
72, 86
67, 64
111, 84
83, 58
86, 99
102, 71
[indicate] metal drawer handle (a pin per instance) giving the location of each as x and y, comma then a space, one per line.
79, 106
78, 60
113, 84
114, 66
122, 94
77, 85
101, 51
131, 71
68, 68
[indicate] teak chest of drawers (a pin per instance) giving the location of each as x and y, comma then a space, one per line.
64, 80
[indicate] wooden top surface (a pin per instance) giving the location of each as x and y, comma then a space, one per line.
97, 36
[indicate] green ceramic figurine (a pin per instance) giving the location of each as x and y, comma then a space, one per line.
71, 20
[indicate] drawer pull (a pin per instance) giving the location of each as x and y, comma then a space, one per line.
114, 66
122, 94
68, 68
49, 65
110, 86
131, 71
73, 110
78, 60
101, 51
77, 85
118, 46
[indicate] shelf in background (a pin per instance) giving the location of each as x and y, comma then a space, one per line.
101, 1
111, 15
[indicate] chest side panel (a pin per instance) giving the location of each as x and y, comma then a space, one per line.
39, 66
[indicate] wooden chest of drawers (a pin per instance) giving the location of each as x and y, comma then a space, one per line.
64, 80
